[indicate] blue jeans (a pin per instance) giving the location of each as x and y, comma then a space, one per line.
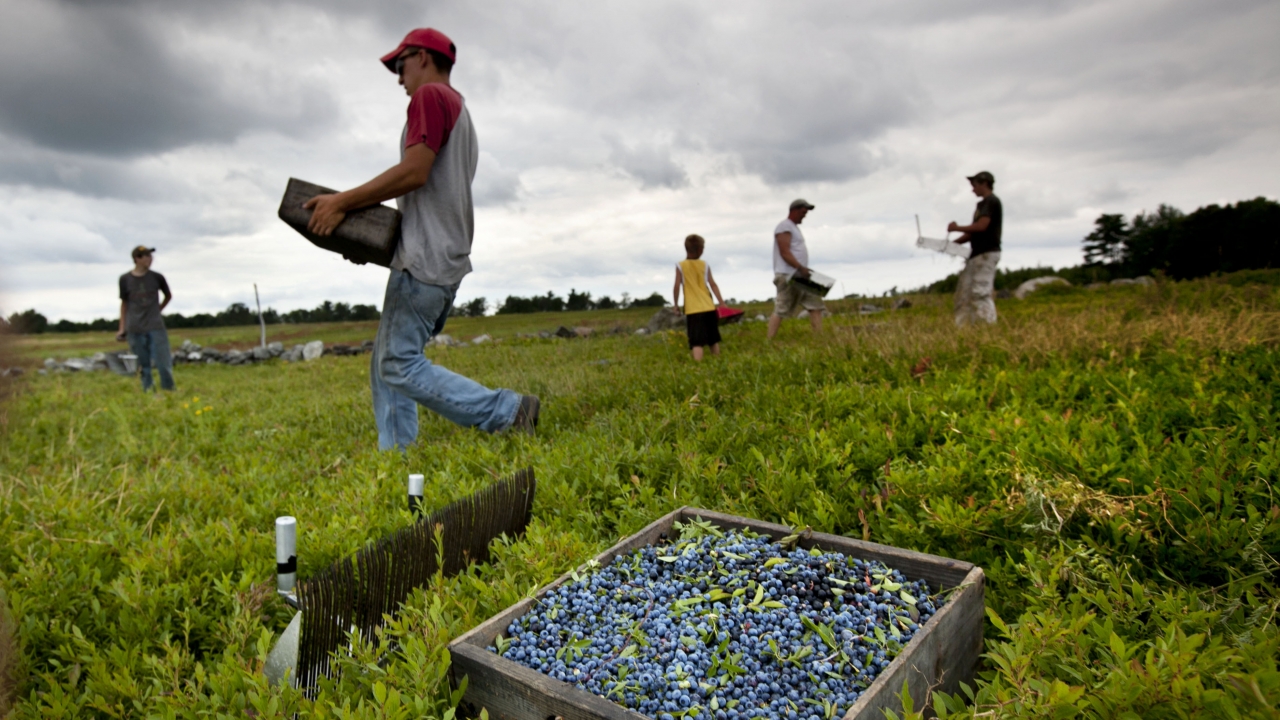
152, 348
402, 378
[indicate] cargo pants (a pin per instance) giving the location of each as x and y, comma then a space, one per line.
975, 291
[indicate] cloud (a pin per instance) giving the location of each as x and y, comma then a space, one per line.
610, 131
110, 79
649, 163
494, 184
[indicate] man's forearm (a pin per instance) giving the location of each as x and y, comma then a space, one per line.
408, 175
979, 225
123, 307
165, 302
397, 180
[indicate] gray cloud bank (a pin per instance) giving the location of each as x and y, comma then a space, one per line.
610, 131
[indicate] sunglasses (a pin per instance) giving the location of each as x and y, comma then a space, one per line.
399, 64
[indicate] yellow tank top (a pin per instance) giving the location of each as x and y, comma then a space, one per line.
697, 291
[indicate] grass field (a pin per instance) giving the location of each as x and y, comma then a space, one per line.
1110, 458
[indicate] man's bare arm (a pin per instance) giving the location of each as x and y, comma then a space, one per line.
124, 305
675, 291
167, 297
408, 175
784, 249
979, 225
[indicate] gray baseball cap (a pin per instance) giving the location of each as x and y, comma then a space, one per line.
801, 203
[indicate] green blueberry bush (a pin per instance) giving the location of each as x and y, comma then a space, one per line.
1109, 458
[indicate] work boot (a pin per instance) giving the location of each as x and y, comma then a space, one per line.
527, 415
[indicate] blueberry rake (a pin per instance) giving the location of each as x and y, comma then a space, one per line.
354, 594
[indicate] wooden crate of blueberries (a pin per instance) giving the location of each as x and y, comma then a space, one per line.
705, 615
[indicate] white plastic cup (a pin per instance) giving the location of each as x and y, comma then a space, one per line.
286, 553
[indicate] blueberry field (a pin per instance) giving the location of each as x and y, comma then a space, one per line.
1109, 458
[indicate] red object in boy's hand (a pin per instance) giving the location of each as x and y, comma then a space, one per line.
728, 315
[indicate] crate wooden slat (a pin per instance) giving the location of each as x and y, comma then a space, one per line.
366, 235
941, 655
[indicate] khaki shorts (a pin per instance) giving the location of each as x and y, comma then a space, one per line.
792, 298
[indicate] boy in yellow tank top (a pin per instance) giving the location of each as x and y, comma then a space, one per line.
702, 321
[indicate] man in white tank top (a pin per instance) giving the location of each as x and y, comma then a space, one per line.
432, 187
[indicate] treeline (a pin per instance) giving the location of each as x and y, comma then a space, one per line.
576, 301
30, 322
1213, 239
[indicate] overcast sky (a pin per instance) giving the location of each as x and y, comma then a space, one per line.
609, 131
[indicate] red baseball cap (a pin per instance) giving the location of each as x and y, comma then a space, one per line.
428, 38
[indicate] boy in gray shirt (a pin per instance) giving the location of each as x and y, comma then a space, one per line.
140, 320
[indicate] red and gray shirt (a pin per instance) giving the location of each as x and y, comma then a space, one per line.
439, 221
141, 296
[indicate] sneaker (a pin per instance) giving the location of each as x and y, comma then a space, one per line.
527, 416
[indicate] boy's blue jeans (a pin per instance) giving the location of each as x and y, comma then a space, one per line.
152, 349
402, 378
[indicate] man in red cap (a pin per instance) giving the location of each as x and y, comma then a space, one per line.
432, 188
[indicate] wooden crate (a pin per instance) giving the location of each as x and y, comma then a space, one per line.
366, 235
942, 654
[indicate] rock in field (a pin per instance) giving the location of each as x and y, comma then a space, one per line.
1035, 284
312, 350
665, 319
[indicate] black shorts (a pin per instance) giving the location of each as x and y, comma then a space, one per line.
704, 328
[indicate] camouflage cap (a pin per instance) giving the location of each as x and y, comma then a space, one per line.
983, 177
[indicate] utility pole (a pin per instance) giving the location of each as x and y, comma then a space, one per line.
261, 323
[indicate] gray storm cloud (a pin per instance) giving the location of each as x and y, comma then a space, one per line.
119, 79
610, 130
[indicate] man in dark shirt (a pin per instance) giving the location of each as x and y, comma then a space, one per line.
140, 320
976, 286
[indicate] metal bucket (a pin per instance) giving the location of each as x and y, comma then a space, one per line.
130, 362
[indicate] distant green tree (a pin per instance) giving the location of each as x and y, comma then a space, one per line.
654, 300
1225, 239
471, 308
605, 303
538, 303
1106, 244
1151, 236
28, 322
578, 301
